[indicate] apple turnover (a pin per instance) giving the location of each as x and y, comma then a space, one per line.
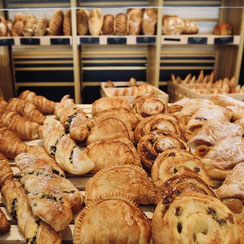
149, 21
195, 218
127, 223
95, 22
105, 103
82, 21
128, 178
155, 143
170, 162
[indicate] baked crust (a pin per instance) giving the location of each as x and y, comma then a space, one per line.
172, 25
121, 25
134, 21
41, 27
108, 25
128, 178
95, 22
4, 224
149, 21
82, 21
222, 29
56, 23
67, 28
5, 170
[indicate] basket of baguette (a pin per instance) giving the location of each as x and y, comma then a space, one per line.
130, 89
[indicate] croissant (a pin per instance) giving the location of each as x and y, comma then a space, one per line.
95, 22
67, 28
121, 27
25, 109
3, 26
3, 104
41, 27
149, 21
29, 26
4, 224
5, 170
24, 129
63, 149
43, 104
10, 144
82, 21
56, 23
134, 21
108, 25
18, 24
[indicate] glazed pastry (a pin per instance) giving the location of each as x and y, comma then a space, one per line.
63, 149
25, 109
166, 122
222, 29
121, 27
18, 24
95, 22
128, 224
128, 178
82, 21
172, 25
56, 23
156, 142
29, 26
44, 194
105, 103
3, 26
109, 152
67, 28
149, 21
195, 218
23, 128
15, 199
73, 118
148, 105
124, 113
170, 162
41, 27
190, 27
4, 224
3, 104
10, 144
134, 21
108, 25
43, 104
111, 127
231, 193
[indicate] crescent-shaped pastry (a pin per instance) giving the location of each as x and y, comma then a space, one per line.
195, 218
156, 142
3, 26
134, 21
149, 21
121, 25
128, 178
170, 162
25, 109
43, 104
95, 22
109, 152
111, 127
82, 21
123, 113
105, 103
186, 181
56, 23
148, 105
128, 224
108, 25
41, 27
166, 122
5, 170
67, 28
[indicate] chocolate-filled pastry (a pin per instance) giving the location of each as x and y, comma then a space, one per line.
190, 27
195, 218
43, 104
172, 25
3, 104
18, 24
25, 109
29, 26
56, 23
121, 26
41, 27
4, 224
23, 128
109, 152
108, 25
67, 28
134, 21
82, 21
155, 143
222, 29
10, 144
128, 178
95, 22
3, 27
170, 162
186, 181
127, 114
105, 103
128, 224
148, 105
166, 122
149, 21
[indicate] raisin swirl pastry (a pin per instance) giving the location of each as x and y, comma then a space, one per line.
73, 118
128, 178
170, 162
195, 218
112, 218
156, 142
166, 122
148, 105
